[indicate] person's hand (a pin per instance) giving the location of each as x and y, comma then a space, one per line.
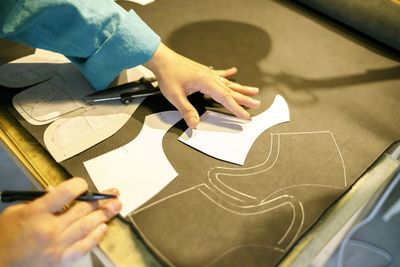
179, 77
41, 233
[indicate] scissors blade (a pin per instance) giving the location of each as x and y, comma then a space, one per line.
141, 88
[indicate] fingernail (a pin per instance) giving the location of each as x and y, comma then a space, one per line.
255, 101
115, 206
245, 115
192, 122
254, 89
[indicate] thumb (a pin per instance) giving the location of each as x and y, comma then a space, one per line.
188, 112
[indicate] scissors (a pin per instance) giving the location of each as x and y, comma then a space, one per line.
126, 92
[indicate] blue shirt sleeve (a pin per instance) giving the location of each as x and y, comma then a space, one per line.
99, 36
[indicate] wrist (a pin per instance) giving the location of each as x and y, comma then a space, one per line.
158, 61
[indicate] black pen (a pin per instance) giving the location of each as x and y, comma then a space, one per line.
11, 196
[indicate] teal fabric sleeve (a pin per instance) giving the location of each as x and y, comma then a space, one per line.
99, 36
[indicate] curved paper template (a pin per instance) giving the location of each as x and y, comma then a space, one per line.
140, 169
60, 95
230, 139
69, 136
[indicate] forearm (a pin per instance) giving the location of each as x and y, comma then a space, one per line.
99, 36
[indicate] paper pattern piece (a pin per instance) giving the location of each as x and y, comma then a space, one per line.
68, 136
58, 96
140, 169
55, 96
230, 139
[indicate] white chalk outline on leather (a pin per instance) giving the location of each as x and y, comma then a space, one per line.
245, 168
242, 207
263, 211
268, 168
256, 166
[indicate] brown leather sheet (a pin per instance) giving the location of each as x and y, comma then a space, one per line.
343, 94
344, 103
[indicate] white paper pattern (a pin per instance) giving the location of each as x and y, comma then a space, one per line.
70, 135
230, 139
61, 94
140, 169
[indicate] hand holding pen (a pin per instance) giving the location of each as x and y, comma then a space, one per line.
43, 231
11, 196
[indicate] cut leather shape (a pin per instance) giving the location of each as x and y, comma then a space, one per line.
140, 169
229, 139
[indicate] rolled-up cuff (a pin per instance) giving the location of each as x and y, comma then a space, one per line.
133, 43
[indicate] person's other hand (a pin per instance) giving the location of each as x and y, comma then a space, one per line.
41, 233
179, 77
